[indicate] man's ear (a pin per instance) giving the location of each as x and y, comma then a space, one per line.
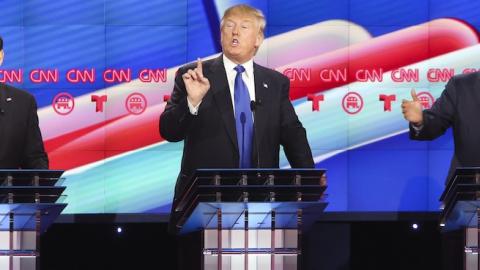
1, 57
259, 40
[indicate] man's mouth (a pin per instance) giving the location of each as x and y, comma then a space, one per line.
235, 42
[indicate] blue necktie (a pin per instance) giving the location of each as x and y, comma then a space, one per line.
243, 119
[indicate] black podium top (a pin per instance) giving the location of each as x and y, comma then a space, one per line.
29, 196
286, 189
461, 199
28, 177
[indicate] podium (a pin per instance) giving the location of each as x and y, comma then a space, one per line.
30, 200
461, 211
251, 218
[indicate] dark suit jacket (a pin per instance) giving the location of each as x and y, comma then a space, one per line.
21, 144
210, 138
458, 107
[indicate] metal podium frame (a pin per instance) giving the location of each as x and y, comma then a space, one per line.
260, 211
30, 201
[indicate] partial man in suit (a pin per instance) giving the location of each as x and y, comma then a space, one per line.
458, 107
21, 145
211, 105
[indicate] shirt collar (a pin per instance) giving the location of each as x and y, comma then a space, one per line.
230, 65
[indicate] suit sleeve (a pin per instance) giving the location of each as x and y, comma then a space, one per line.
176, 118
34, 156
440, 117
293, 136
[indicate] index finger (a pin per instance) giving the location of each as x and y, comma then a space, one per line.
199, 65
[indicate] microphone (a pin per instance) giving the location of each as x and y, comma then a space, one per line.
2, 110
253, 106
243, 119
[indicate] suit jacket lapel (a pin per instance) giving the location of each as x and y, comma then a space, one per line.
261, 96
221, 93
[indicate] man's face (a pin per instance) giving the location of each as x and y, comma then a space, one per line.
240, 37
1, 57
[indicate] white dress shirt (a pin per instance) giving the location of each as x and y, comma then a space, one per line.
247, 77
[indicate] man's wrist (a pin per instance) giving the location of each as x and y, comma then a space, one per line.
193, 102
193, 108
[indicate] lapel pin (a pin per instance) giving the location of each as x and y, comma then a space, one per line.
265, 85
9, 99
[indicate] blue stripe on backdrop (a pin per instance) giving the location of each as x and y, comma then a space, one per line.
466, 10
140, 12
13, 46
65, 12
201, 40
389, 13
149, 46
64, 47
12, 13
293, 13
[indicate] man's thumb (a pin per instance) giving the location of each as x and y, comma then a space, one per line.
414, 95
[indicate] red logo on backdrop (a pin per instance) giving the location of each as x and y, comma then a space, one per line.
136, 103
63, 103
426, 99
315, 99
352, 103
387, 101
99, 101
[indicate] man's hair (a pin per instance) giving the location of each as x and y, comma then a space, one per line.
1, 43
245, 10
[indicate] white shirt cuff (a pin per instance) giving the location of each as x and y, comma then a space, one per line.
417, 129
193, 109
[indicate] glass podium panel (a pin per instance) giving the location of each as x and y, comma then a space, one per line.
259, 215
30, 201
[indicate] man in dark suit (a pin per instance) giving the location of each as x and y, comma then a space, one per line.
210, 109
205, 111
458, 107
21, 144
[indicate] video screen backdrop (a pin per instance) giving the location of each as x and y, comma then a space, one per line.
101, 72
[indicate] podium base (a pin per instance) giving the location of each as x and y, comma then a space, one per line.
258, 249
